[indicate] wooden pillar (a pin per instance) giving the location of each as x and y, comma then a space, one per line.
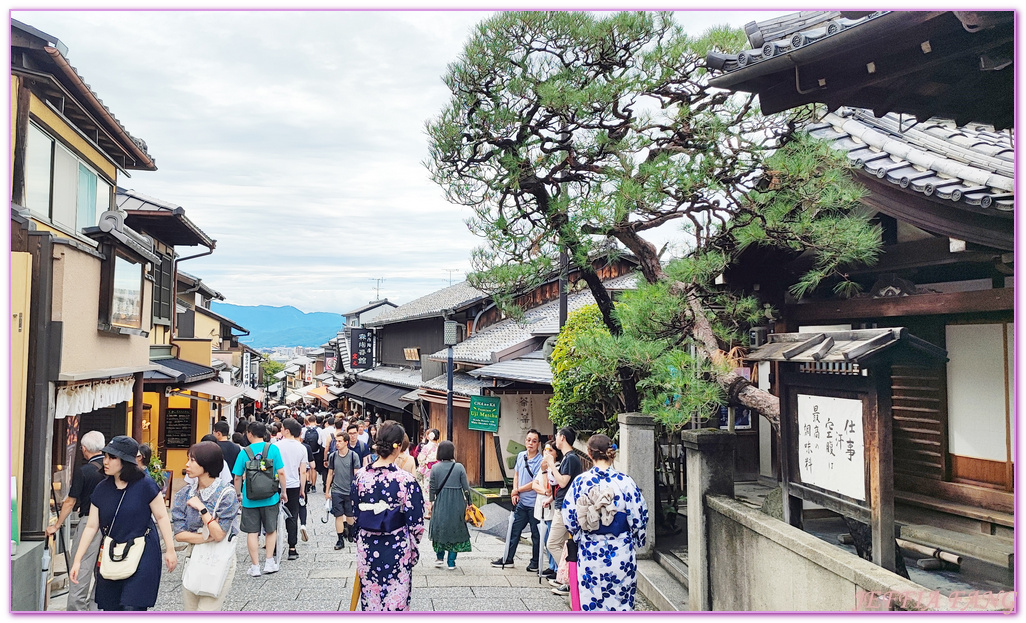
792, 505
137, 407
879, 448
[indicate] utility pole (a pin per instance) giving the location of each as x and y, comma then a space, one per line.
377, 287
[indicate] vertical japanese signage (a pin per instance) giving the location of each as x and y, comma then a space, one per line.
247, 373
361, 343
484, 414
831, 445
308, 373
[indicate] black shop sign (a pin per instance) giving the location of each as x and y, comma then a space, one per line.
178, 428
361, 342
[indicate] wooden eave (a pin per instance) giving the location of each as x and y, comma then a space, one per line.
918, 62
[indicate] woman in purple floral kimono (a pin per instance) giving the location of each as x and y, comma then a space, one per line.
390, 523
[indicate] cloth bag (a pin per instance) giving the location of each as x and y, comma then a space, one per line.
120, 560
474, 516
207, 567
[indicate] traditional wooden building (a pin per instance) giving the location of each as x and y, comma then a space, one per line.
942, 194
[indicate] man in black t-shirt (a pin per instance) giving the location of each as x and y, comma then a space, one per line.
83, 481
228, 448
569, 468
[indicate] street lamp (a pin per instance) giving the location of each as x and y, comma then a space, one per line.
449, 337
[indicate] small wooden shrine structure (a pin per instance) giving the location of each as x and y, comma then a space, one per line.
835, 422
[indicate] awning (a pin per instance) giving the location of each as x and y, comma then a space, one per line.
291, 369
222, 391
321, 393
524, 370
378, 394
280, 375
413, 396
253, 394
291, 398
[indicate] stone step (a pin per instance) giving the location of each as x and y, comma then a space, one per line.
993, 550
673, 565
660, 588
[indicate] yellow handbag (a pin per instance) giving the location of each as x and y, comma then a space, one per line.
474, 516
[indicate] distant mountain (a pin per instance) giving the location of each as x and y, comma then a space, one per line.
281, 326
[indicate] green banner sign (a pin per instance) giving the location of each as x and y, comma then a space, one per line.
484, 414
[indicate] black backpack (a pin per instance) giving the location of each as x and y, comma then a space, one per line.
260, 476
312, 439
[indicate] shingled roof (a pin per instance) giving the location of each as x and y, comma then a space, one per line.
954, 64
966, 173
454, 298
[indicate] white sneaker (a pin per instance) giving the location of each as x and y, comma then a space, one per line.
439, 563
451, 568
254, 570
270, 566
302, 533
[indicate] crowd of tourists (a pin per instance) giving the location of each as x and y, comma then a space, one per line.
380, 488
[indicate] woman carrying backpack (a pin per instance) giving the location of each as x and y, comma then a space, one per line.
390, 525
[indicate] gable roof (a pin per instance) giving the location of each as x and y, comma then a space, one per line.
953, 64
41, 58
456, 297
370, 306
962, 179
509, 336
165, 221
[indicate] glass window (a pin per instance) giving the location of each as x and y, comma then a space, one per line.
64, 204
86, 204
38, 167
126, 310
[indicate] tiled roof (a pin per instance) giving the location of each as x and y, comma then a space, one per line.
369, 306
406, 377
542, 321
462, 384
780, 35
972, 165
179, 371
527, 370
954, 64
455, 297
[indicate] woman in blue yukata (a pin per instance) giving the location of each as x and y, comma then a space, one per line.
390, 524
606, 514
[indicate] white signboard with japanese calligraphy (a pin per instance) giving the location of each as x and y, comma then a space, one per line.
831, 445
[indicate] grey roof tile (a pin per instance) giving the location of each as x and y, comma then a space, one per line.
400, 377
972, 165
540, 322
531, 370
457, 296
462, 384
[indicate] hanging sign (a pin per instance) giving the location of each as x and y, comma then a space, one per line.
831, 445
362, 344
484, 414
247, 373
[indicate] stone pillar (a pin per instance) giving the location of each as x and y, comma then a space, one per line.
710, 465
635, 458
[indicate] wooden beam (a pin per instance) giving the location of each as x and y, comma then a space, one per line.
881, 469
917, 305
921, 254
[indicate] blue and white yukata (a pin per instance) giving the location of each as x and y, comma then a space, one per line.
607, 551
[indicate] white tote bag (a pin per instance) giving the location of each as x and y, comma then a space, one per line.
208, 565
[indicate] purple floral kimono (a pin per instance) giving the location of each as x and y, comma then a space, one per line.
388, 536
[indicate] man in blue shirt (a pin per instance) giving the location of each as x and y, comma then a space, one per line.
257, 514
523, 496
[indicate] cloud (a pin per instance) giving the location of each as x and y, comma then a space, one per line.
294, 138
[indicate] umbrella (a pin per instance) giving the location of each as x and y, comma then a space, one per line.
279, 408
327, 511
283, 514
571, 563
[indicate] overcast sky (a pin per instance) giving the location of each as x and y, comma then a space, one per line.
295, 139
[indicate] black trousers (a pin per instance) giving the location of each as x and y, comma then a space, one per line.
292, 523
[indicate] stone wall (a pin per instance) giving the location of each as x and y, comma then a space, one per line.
759, 563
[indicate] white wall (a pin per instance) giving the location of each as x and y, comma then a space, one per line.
978, 386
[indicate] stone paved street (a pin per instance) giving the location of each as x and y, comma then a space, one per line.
322, 579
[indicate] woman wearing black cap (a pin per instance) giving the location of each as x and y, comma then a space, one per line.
122, 505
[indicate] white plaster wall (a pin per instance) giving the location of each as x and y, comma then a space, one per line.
977, 390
